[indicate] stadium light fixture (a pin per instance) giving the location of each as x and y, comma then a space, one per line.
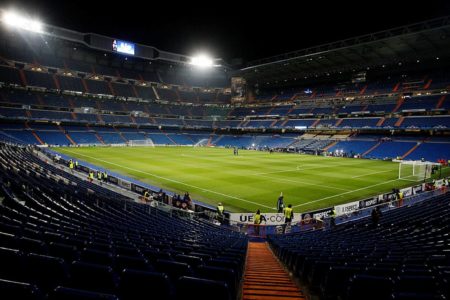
15, 20
202, 61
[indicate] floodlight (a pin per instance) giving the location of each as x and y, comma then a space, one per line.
15, 20
202, 60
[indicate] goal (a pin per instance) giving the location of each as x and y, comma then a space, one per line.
137, 143
415, 170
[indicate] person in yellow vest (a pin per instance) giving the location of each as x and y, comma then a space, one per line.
76, 164
71, 165
288, 216
333, 217
257, 219
91, 176
105, 176
220, 211
146, 196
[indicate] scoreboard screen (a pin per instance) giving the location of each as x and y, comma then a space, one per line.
123, 47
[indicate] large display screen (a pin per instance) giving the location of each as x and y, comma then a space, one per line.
123, 47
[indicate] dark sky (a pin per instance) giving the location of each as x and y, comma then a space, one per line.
232, 29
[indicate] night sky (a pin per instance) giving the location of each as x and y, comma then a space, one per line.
229, 29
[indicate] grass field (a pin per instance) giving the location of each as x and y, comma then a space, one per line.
251, 180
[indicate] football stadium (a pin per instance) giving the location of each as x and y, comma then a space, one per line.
131, 172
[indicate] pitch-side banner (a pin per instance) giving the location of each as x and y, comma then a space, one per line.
271, 218
346, 208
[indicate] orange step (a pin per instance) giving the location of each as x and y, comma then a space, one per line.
371, 149
265, 278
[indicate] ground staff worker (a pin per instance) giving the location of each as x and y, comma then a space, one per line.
257, 221
288, 216
220, 210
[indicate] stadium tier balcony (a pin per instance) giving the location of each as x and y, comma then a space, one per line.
123, 90
12, 112
359, 123
223, 98
299, 123
19, 97
188, 96
55, 100
78, 66
10, 75
39, 79
97, 87
145, 92
70, 83
425, 103
167, 94
50, 115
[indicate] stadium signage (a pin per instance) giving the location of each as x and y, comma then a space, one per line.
271, 218
346, 208
318, 214
368, 202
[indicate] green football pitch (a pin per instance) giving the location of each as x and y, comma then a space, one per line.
253, 180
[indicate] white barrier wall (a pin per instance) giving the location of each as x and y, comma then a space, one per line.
271, 218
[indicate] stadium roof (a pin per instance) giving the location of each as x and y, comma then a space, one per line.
415, 42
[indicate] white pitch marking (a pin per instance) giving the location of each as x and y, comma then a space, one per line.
333, 196
172, 180
371, 173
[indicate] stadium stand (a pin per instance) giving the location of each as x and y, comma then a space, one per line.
89, 244
65, 237
404, 257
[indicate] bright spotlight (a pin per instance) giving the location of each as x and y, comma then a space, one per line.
202, 60
15, 20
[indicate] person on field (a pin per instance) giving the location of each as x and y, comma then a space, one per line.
280, 203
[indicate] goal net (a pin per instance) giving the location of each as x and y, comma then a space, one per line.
201, 143
415, 170
138, 143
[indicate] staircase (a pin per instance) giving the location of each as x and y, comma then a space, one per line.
99, 138
23, 78
135, 93
273, 123
284, 122
83, 81
37, 137
315, 123
428, 84
67, 135
56, 81
441, 101
169, 138
399, 122
400, 101
363, 90
371, 149
411, 150
381, 121
265, 278
330, 145
339, 121
111, 89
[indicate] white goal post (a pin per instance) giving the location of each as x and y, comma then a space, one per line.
139, 143
415, 170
